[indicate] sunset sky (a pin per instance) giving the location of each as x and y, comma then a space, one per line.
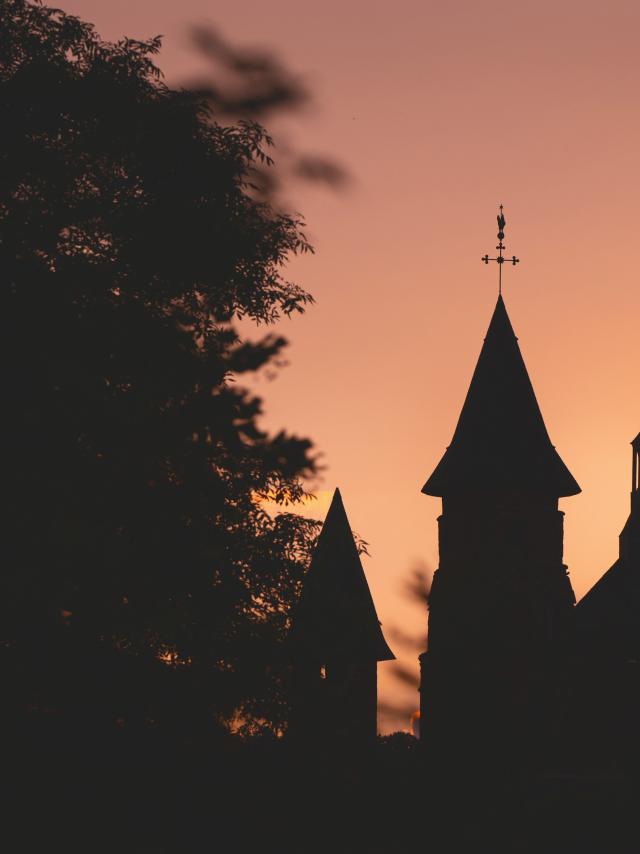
440, 112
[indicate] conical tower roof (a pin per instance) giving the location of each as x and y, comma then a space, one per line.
336, 616
501, 443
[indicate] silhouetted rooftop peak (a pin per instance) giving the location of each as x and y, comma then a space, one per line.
501, 443
608, 613
500, 323
336, 615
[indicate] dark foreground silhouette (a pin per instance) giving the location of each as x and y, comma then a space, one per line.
146, 795
569, 782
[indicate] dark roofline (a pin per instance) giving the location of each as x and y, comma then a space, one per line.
501, 443
336, 614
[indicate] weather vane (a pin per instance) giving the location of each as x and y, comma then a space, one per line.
500, 247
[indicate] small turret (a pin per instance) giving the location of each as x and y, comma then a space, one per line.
337, 642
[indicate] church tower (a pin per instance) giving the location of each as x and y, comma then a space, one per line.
501, 597
337, 642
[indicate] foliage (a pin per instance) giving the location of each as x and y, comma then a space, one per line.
130, 242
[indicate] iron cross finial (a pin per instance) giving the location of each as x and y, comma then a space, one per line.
500, 247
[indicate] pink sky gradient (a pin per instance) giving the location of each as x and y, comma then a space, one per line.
440, 112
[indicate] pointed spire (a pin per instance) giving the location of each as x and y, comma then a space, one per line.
501, 442
336, 615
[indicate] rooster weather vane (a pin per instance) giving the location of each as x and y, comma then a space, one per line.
500, 247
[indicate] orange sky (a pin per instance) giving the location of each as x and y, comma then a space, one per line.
440, 112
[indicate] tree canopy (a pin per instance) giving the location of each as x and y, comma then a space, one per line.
130, 243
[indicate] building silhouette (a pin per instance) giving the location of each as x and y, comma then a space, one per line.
607, 642
607, 616
501, 597
512, 665
337, 642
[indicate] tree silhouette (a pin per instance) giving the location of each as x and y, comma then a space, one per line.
142, 580
416, 587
